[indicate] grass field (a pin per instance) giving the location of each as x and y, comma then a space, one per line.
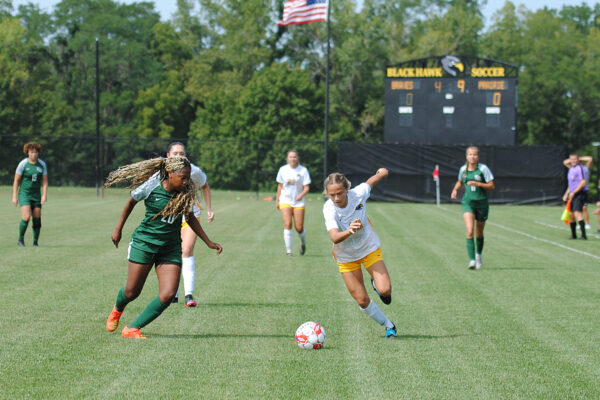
525, 326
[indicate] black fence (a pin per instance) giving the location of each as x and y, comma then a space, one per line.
229, 164
523, 174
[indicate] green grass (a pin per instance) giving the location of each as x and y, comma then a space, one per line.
525, 326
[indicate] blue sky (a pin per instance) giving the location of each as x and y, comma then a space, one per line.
167, 7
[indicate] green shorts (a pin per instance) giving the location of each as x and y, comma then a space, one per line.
147, 253
29, 200
481, 209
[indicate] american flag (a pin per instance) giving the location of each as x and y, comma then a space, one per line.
304, 11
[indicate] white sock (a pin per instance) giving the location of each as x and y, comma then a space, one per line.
302, 236
288, 238
375, 312
188, 271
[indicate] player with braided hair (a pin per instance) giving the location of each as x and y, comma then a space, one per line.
168, 193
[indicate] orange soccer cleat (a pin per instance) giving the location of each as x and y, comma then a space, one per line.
135, 333
113, 320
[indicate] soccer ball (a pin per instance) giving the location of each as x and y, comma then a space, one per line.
310, 335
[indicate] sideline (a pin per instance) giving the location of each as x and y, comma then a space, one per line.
562, 246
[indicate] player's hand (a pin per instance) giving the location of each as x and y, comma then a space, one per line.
277, 205
472, 183
383, 172
210, 215
43, 199
15, 201
216, 246
355, 225
116, 237
299, 197
571, 195
454, 194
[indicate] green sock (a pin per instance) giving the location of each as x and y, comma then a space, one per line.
22, 229
479, 245
37, 226
471, 248
153, 310
122, 300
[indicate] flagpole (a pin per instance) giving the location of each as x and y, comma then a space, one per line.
326, 140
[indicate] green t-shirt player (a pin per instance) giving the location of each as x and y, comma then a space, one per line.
477, 179
30, 190
165, 186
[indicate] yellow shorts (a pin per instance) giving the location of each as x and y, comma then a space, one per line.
288, 206
367, 261
185, 224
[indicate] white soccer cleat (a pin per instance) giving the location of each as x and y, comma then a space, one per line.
472, 264
478, 263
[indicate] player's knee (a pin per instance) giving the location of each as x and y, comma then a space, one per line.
166, 296
385, 288
187, 251
363, 301
299, 228
37, 222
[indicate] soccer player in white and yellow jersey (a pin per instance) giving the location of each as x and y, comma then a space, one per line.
355, 242
293, 184
188, 237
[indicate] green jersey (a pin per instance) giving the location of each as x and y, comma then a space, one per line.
480, 174
31, 178
158, 231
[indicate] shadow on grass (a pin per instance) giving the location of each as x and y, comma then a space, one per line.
215, 335
514, 269
428, 337
267, 305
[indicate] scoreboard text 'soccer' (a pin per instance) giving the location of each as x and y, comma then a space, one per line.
451, 100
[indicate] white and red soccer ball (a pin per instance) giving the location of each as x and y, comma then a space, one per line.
310, 335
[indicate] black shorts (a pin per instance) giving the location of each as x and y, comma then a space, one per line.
579, 200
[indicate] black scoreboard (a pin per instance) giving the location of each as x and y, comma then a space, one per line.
451, 100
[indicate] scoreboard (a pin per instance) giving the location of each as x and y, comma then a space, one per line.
451, 100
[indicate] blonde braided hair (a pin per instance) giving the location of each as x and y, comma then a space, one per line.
140, 172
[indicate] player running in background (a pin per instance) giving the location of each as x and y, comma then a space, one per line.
30, 190
586, 162
477, 180
577, 193
157, 240
188, 236
293, 184
355, 242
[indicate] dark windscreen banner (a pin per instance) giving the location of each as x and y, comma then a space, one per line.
522, 174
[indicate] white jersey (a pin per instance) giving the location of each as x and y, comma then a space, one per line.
293, 181
365, 240
199, 178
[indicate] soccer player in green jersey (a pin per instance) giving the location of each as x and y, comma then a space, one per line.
30, 190
477, 180
167, 195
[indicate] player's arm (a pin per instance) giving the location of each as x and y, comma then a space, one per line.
117, 233
207, 199
579, 188
457, 187
305, 190
197, 228
337, 236
279, 187
379, 175
484, 185
567, 162
588, 160
16, 184
44, 188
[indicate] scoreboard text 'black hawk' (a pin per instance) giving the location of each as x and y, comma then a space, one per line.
451, 100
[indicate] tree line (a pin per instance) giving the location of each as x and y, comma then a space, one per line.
224, 70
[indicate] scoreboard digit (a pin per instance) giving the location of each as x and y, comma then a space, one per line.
474, 101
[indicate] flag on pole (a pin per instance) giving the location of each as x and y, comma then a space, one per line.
436, 173
304, 11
